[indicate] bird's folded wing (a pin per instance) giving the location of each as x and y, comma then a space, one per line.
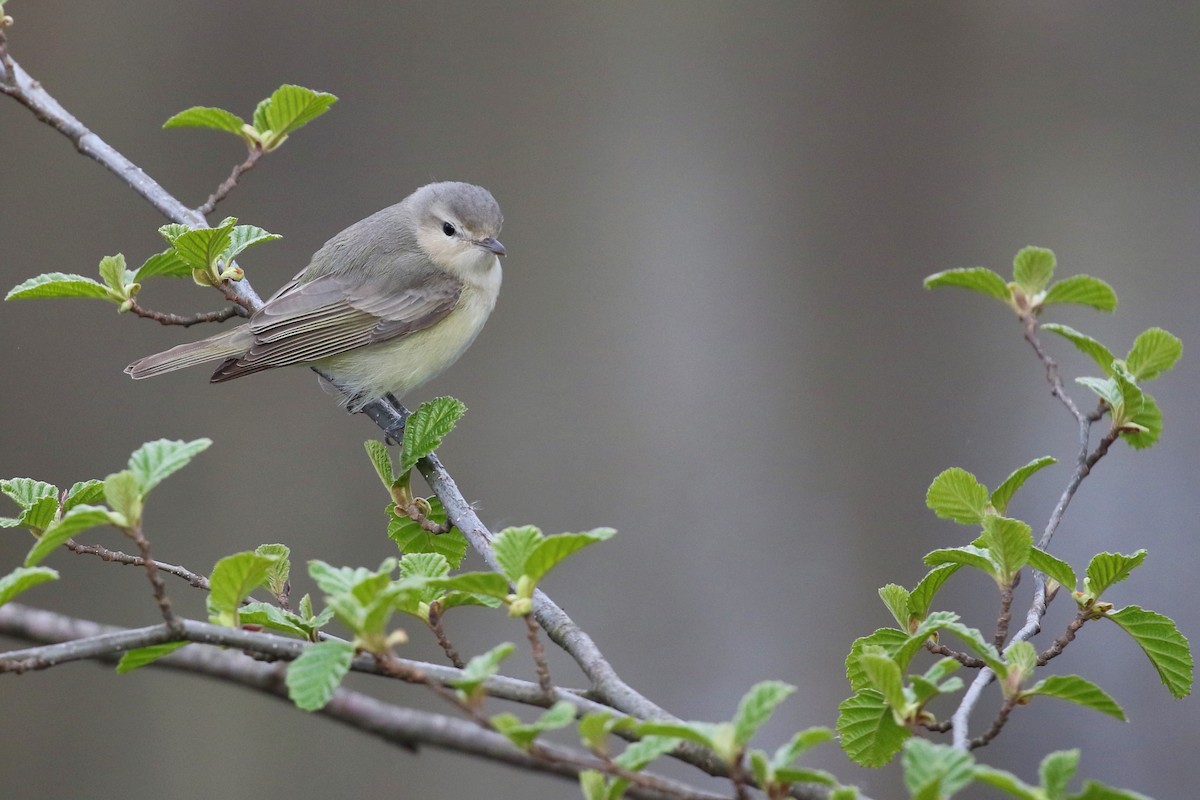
332, 314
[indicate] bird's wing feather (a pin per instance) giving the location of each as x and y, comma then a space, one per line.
332, 314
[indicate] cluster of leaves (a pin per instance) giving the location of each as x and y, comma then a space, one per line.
53, 516
288, 109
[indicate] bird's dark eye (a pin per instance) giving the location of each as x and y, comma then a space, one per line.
448, 229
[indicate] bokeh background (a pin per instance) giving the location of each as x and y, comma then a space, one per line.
712, 336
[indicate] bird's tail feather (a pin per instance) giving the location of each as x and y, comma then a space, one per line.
224, 345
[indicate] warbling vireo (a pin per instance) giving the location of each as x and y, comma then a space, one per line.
382, 307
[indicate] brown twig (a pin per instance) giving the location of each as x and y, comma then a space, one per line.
997, 725
166, 318
1005, 616
940, 649
539, 656
227, 186
1061, 642
117, 557
435, 625
157, 584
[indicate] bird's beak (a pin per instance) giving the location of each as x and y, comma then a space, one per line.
491, 243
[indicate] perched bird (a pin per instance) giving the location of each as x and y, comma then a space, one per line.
382, 307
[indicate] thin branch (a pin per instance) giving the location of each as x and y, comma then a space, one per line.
1005, 616
997, 725
117, 557
539, 656
435, 625
165, 318
229, 183
939, 649
156, 582
1055, 650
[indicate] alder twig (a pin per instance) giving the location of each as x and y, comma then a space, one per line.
435, 625
157, 584
1055, 650
229, 183
997, 725
539, 656
166, 318
117, 557
940, 649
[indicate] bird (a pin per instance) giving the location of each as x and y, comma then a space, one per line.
381, 308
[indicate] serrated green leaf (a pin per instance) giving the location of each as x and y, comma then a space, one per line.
206, 117
638, 755
970, 555
870, 735
79, 518
482, 667
23, 578
418, 567
489, 584
290, 108
595, 726
112, 271
123, 493
1052, 568
1005, 491
1082, 290
410, 537
921, 597
201, 247
593, 784
1009, 542
1085, 344
890, 639
1132, 396
977, 279
132, 659
935, 770
26, 491
84, 493
1154, 352
1162, 643
796, 775
172, 231
798, 745
1021, 657
316, 674
381, 459
273, 618
513, 547
1076, 690
884, 676
956, 494
1150, 422
1106, 569
425, 429
1106, 390
232, 579
948, 621
895, 597
1056, 771
559, 715
166, 264
57, 284
1033, 267
757, 706
553, 549
40, 515
154, 461
280, 570
244, 236
1007, 782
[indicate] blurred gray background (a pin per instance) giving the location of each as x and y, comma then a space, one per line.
712, 336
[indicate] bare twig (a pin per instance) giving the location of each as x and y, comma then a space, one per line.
539, 656
117, 557
435, 625
939, 649
229, 183
156, 582
165, 318
1005, 616
997, 725
1061, 642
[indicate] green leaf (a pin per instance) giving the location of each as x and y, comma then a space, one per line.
316, 674
1098, 791
200, 247
1004, 492
1106, 390
290, 108
756, 708
489, 584
232, 579
1056, 771
57, 284
23, 578
276, 619
936, 770
1076, 690
25, 492
1021, 657
381, 459
410, 537
244, 236
638, 755
956, 494
123, 492
79, 518
1105, 569
595, 726
1007, 782
425, 429
513, 546
798, 745
482, 667
1132, 396
559, 715
895, 597
948, 621
172, 231
1154, 352
969, 555
977, 279
280, 569
416, 567
1150, 418
1032, 269
154, 461
922, 595
1009, 542
206, 117
132, 659
84, 493
1085, 344
870, 735
884, 676
1162, 643
39, 516
890, 639
1052, 568
1082, 290
167, 264
553, 549
112, 270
